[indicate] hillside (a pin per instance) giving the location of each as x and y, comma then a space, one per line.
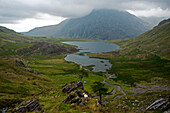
155, 41
99, 24
13, 43
26, 64
144, 63
145, 57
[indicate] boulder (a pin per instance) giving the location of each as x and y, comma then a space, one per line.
79, 93
76, 100
79, 97
160, 104
28, 106
68, 98
72, 86
80, 84
20, 63
66, 88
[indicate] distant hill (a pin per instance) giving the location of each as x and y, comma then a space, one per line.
99, 24
155, 41
13, 43
6, 30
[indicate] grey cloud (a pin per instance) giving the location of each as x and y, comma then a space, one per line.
13, 10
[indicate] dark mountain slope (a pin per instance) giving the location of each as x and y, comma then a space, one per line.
164, 21
99, 24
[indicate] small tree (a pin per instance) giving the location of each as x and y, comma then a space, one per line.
99, 89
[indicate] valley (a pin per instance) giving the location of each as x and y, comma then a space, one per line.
34, 68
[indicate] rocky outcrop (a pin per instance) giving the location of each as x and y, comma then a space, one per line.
20, 63
28, 106
45, 48
77, 94
72, 86
78, 97
160, 104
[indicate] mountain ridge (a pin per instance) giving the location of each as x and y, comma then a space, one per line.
99, 24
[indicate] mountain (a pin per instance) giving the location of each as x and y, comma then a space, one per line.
99, 24
155, 41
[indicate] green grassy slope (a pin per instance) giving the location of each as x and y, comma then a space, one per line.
141, 62
18, 80
155, 41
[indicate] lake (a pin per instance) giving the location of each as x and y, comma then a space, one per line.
85, 47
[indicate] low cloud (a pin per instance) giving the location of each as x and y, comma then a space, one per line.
13, 10
13, 13
155, 12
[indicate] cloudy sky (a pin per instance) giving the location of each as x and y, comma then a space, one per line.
23, 15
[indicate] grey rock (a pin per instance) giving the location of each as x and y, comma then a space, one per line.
72, 86
136, 101
68, 98
28, 106
20, 63
160, 104
76, 100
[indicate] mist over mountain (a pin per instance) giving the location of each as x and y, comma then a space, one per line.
152, 21
99, 24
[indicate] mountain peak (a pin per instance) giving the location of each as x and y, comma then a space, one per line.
99, 24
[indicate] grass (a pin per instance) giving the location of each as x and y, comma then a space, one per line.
130, 70
10, 47
58, 72
18, 83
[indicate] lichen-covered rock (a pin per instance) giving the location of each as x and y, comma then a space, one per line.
77, 94
68, 98
76, 100
160, 104
72, 86
20, 63
28, 106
